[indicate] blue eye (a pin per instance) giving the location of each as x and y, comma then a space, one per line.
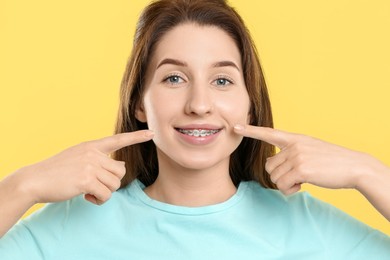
223, 81
173, 79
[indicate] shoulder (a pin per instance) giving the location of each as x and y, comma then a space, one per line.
307, 219
79, 209
301, 206
58, 226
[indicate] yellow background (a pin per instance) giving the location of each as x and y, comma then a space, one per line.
326, 64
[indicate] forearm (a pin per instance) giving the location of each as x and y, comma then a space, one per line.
375, 186
14, 200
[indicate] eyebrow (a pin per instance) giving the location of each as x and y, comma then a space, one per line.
173, 62
225, 63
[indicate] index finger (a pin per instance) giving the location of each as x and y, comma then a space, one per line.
112, 143
272, 136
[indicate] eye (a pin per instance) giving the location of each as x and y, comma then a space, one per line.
223, 81
173, 79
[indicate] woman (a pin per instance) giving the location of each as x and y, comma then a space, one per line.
205, 187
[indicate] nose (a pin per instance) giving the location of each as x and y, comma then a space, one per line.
199, 101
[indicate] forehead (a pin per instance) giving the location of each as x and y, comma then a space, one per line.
191, 42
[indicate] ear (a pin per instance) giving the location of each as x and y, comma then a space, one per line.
140, 113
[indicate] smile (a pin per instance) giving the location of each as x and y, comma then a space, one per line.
198, 132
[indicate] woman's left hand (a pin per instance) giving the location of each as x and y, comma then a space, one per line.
303, 159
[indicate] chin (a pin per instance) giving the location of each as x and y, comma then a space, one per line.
203, 161
198, 165
198, 159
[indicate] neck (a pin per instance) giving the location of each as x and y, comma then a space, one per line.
181, 186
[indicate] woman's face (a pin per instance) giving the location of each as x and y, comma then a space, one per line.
194, 95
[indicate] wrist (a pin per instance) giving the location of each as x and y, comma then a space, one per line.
372, 173
23, 186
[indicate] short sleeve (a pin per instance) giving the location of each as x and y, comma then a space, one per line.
36, 236
344, 236
67, 230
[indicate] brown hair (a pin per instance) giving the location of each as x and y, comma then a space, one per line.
248, 160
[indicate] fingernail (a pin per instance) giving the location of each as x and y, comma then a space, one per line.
238, 127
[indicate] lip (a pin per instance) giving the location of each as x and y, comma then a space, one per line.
199, 126
198, 140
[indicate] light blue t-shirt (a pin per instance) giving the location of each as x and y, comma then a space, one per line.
255, 223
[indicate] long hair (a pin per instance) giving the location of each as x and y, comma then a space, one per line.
247, 162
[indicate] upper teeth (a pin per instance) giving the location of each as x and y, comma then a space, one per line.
198, 132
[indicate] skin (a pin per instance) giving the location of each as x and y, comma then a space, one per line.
82, 169
192, 174
305, 159
204, 82
196, 176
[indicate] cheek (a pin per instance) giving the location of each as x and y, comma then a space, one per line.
159, 109
152, 116
235, 108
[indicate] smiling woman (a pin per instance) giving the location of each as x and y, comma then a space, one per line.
193, 172
194, 132
242, 68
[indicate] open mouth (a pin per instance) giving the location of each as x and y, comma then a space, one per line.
198, 132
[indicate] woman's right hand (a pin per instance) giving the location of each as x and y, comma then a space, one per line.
82, 169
